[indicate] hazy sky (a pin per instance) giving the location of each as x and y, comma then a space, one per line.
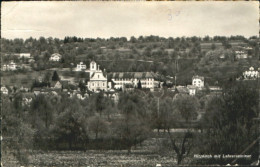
117, 19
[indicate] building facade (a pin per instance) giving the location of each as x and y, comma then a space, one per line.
24, 55
81, 66
9, 67
55, 57
241, 55
198, 81
98, 79
4, 90
128, 79
251, 73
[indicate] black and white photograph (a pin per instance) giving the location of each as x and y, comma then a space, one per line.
129, 84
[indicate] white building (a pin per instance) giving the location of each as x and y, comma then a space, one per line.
9, 67
192, 90
198, 81
124, 79
4, 90
251, 73
55, 57
98, 80
24, 55
241, 55
81, 66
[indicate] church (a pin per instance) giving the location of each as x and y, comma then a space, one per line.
98, 79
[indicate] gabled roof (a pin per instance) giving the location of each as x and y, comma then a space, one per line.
130, 75
198, 77
55, 54
53, 83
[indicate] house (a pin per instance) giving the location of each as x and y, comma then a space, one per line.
9, 67
192, 90
251, 73
124, 79
55, 57
81, 66
24, 55
4, 90
56, 85
241, 55
198, 81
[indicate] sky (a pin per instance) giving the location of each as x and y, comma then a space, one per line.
125, 19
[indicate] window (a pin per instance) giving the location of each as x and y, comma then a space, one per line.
98, 76
103, 84
93, 84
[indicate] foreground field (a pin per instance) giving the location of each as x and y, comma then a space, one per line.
96, 158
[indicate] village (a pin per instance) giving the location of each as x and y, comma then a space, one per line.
97, 79
125, 99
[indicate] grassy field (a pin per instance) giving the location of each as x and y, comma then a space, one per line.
20, 79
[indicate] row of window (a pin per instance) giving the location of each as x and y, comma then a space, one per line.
98, 84
143, 83
127, 79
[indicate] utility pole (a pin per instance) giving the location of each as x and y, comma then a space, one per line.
176, 71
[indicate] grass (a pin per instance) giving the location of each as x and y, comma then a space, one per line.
20, 79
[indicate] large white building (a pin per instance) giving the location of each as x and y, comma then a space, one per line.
125, 79
55, 57
198, 81
251, 73
98, 79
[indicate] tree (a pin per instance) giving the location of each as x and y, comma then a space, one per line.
47, 77
139, 85
133, 128
16, 132
229, 123
41, 110
187, 107
70, 125
55, 76
213, 46
82, 87
97, 125
185, 145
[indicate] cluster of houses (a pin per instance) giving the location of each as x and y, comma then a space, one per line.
251, 74
12, 66
241, 52
100, 80
9, 67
